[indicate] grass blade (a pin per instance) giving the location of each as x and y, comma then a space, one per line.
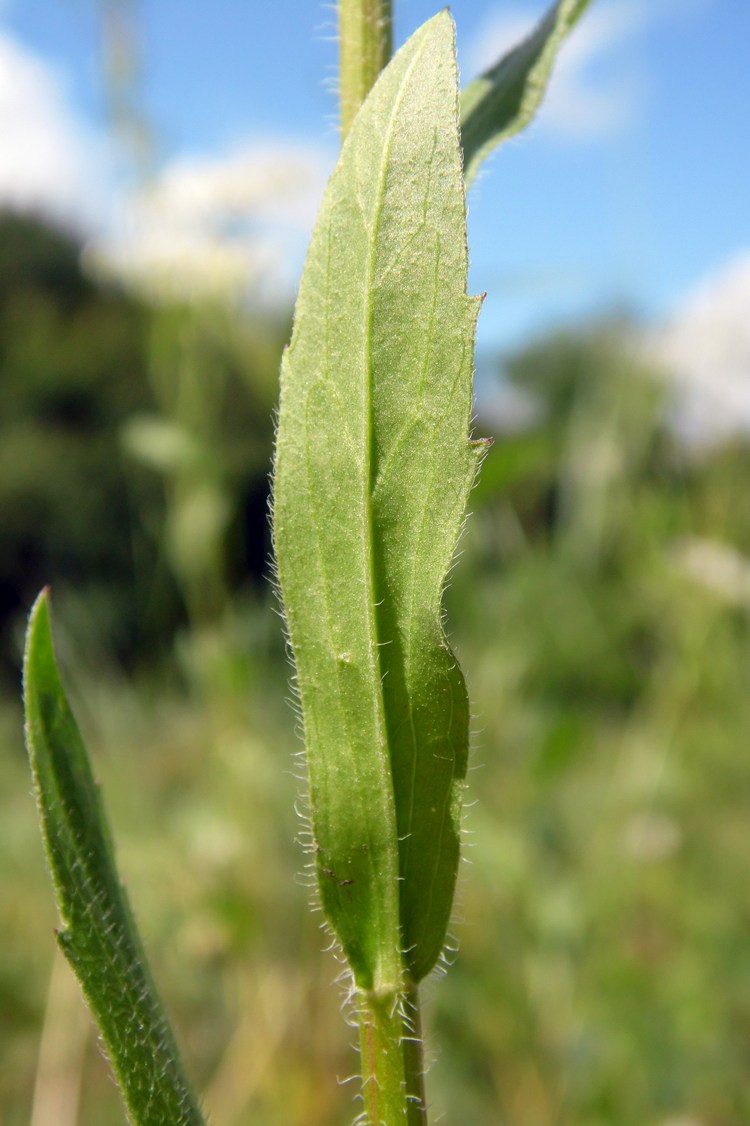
373, 468
503, 100
98, 934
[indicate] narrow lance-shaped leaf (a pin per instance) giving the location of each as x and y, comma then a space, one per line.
503, 100
373, 468
98, 935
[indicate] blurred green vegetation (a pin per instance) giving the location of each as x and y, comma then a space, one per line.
600, 610
134, 451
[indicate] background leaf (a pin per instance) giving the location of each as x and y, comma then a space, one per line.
98, 936
503, 100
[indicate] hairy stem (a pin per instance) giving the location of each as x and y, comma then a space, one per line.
365, 45
391, 1057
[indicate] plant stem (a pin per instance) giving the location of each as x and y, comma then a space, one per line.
365, 44
391, 1057
389, 1023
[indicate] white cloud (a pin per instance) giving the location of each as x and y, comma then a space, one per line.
705, 349
595, 86
232, 224
49, 161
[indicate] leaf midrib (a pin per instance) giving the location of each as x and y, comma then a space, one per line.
372, 480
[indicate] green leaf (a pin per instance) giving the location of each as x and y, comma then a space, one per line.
98, 935
503, 100
373, 469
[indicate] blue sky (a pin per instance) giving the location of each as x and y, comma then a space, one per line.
630, 189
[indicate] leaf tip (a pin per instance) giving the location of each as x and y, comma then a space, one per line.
39, 615
38, 630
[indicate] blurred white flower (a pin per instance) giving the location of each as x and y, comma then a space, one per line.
717, 566
273, 183
218, 228
165, 264
651, 836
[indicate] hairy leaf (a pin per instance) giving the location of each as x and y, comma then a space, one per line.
373, 468
503, 100
98, 935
